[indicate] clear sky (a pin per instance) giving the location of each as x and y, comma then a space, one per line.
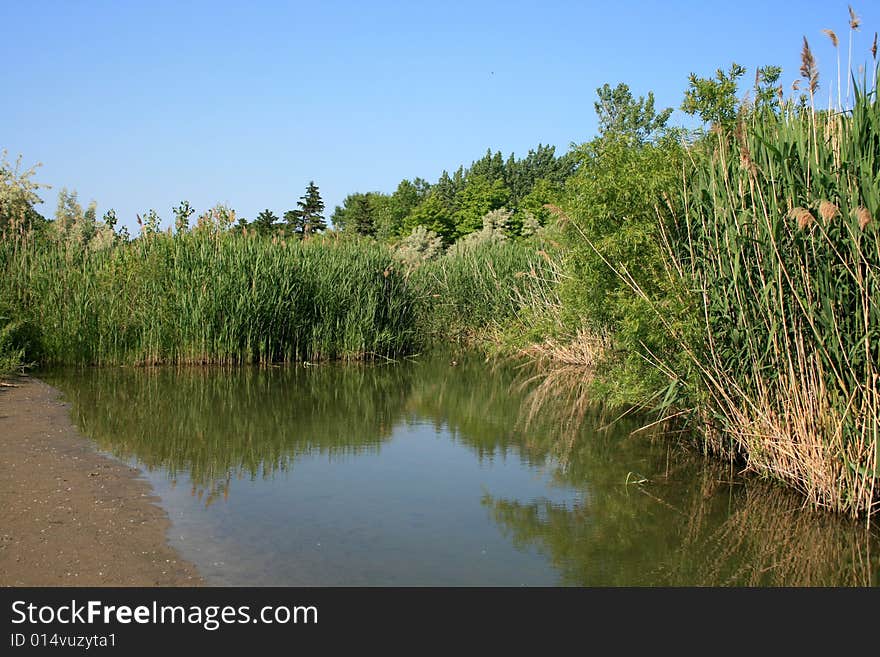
140, 105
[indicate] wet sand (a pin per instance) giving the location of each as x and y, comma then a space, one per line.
70, 516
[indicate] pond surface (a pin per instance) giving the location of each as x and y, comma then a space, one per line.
443, 471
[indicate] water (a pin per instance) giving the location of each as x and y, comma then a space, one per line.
443, 471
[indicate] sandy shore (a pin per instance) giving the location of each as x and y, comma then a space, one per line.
70, 516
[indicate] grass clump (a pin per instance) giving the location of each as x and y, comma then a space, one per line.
219, 298
783, 257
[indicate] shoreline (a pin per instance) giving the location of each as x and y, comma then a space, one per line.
72, 516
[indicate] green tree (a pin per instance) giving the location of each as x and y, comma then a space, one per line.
294, 223
356, 208
478, 196
447, 189
490, 166
542, 193
265, 223
768, 91
623, 178
434, 216
407, 196
307, 218
714, 100
360, 218
541, 163
619, 113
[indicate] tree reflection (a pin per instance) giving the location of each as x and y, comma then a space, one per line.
644, 510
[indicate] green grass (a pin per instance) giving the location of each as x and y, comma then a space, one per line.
233, 298
478, 291
779, 256
210, 298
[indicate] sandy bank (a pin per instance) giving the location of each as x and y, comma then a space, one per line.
70, 516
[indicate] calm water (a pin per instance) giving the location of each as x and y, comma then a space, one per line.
434, 473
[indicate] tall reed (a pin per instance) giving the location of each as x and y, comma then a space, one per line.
220, 298
778, 242
480, 288
228, 297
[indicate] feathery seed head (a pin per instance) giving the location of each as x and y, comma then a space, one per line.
831, 35
803, 216
854, 21
809, 70
863, 215
827, 210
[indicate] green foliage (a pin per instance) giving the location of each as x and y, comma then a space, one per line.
434, 216
447, 188
307, 219
768, 92
182, 213
455, 205
539, 166
714, 100
110, 219
402, 202
11, 354
534, 203
18, 195
210, 297
619, 114
614, 243
478, 288
151, 222
478, 196
266, 222
359, 213
19, 340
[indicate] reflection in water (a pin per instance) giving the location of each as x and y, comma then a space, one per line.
431, 473
214, 424
723, 534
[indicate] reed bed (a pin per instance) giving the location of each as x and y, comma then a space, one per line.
778, 248
231, 298
480, 290
216, 298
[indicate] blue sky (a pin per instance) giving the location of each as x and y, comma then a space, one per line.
139, 105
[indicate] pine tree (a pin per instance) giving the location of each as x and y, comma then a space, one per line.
264, 224
307, 218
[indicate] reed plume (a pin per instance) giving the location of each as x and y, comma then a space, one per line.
854, 21
809, 70
854, 24
836, 42
828, 211
863, 215
804, 217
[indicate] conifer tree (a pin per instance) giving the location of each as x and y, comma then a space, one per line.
265, 222
307, 218
361, 219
